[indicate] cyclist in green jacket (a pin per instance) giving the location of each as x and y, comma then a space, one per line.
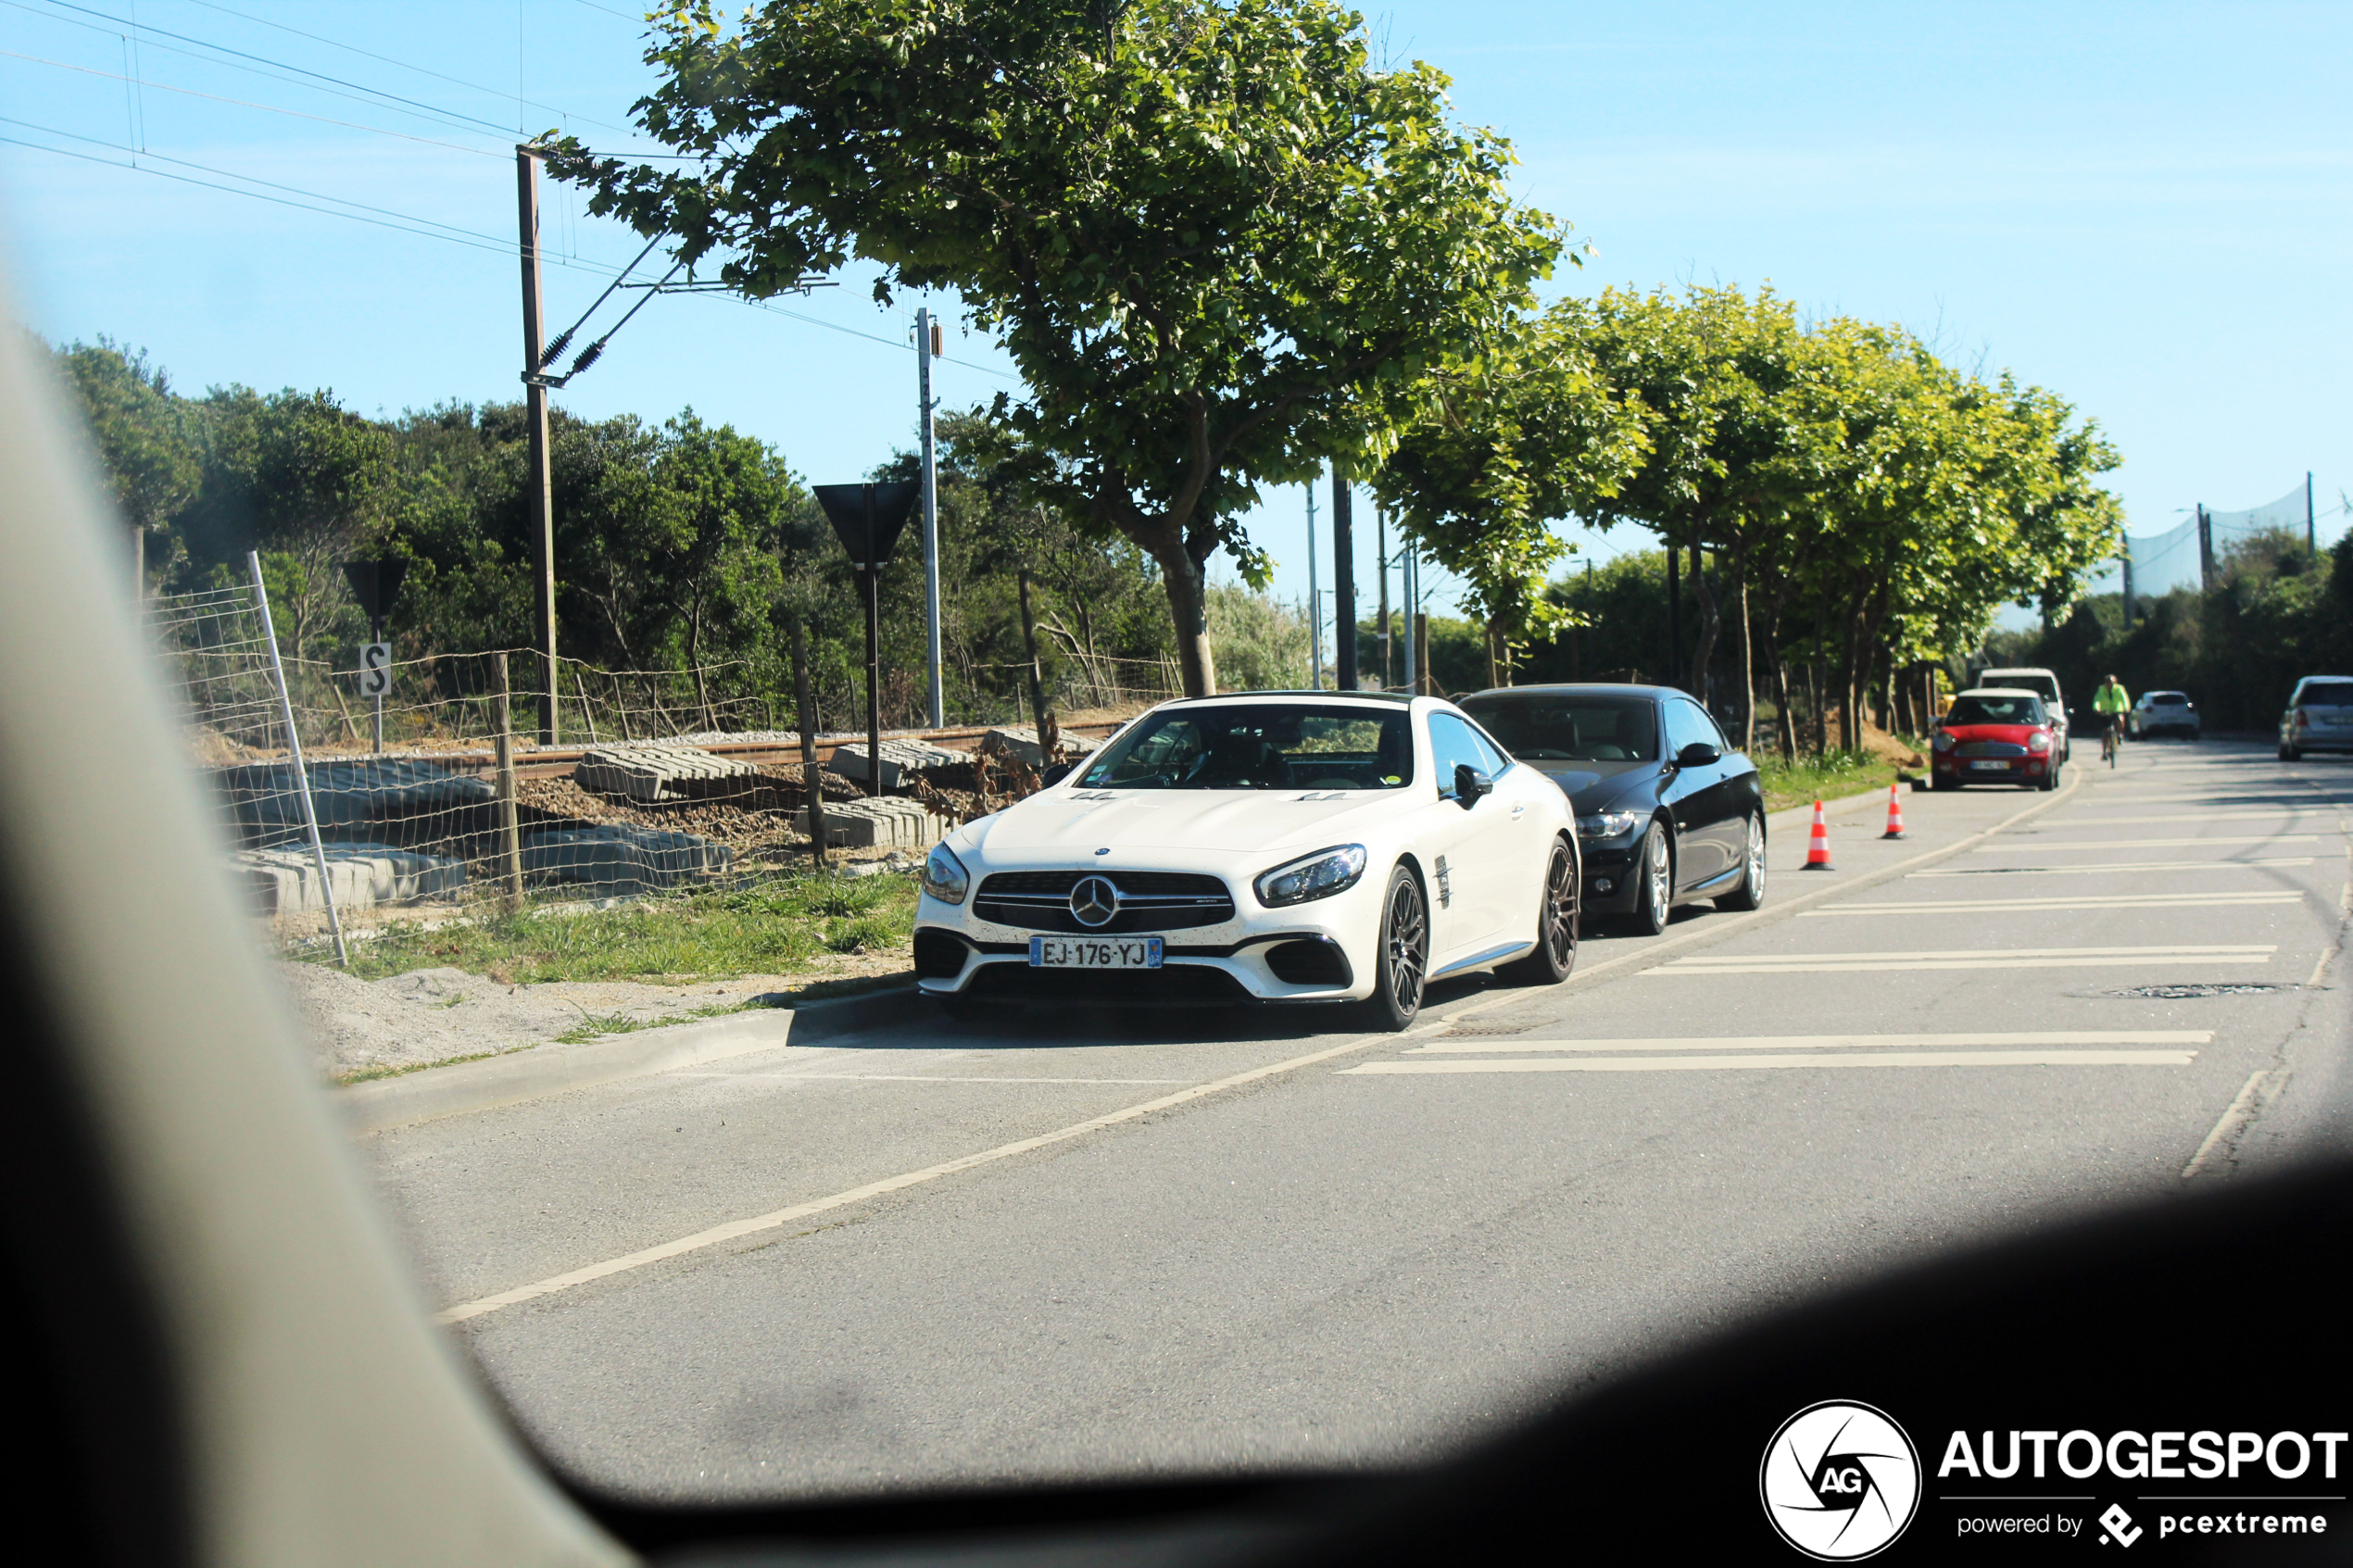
2111, 702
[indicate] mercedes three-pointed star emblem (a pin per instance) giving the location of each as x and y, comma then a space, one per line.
1094, 901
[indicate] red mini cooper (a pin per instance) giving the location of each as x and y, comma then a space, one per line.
1996, 734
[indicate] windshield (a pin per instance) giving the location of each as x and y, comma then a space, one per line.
2046, 685
1995, 711
1539, 726
1260, 745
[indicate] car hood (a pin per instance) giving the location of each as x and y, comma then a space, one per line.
1057, 824
1589, 790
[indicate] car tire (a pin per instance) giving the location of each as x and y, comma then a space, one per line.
1941, 785
1750, 895
2049, 781
1654, 883
1401, 958
1557, 909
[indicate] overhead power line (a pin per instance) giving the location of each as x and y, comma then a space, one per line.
404, 65
248, 103
407, 224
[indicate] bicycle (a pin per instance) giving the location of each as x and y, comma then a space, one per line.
2111, 739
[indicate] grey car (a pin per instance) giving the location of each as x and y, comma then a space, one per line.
2319, 717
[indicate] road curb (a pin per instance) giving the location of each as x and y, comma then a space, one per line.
510, 1079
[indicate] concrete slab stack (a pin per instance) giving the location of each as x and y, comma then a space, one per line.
617, 862
881, 822
654, 772
285, 881
899, 759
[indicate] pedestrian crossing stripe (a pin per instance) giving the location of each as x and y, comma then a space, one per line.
2003, 957
1766, 1060
2080, 901
2175, 1038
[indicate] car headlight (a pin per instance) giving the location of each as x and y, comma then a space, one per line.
944, 875
2038, 742
1605, 825
1942, 740
1320, 876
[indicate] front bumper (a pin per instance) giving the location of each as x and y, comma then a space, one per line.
2012, 770
1320, 952
1611, 884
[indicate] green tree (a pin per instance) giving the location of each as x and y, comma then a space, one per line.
1509, 443
143, 432
1221, 245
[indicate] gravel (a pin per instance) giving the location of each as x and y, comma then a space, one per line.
368, 1027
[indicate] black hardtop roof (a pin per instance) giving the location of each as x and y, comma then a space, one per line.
1596, 688
1395, 699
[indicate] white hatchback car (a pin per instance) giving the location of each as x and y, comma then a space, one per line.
1277, 847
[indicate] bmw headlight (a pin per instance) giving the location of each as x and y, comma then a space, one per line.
1320, 876
944, 875
1602, 826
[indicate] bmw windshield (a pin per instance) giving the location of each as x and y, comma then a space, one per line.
1260, 745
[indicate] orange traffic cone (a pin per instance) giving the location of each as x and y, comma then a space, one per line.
1817, 843
1895, 815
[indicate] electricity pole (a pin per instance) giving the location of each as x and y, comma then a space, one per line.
927, 336
1380, 554
1343, 584
1314, 602
1408, 575
2125, 556
2205, 548
540, 489
2311, 532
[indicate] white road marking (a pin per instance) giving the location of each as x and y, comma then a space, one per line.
2119, 866
934, 1078
2220, 814
2259, 1090
1741, 1063
735, 1229
1443, 1047
2040, 845
2083, 901
1990, 958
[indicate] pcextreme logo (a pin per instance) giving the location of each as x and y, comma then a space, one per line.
1840, 1480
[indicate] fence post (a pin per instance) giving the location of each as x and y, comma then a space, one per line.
812, 787
503, 745
1029, 646
293, 750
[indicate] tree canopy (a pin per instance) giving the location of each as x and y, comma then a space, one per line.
1222, 247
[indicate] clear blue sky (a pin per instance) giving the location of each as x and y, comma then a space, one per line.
2142, 207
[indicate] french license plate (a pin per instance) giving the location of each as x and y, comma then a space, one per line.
1991, 765
1094, 952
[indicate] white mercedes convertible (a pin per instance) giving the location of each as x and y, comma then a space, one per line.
1276, 846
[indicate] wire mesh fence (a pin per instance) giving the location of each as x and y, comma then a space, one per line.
669, 780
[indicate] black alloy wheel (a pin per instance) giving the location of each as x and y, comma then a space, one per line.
1750, 895
1655, 883
1402, 955
1555, 954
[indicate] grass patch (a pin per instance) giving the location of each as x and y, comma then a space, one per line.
1826, 777
773, 928
369, 1075
597, 1025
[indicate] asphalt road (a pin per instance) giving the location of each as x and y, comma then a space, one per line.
1104, 1245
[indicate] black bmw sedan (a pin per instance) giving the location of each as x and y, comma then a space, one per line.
1667, 812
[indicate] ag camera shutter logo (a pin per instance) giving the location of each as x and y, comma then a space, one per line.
1839, 1481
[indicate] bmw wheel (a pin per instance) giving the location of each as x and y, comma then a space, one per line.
1655, 885
1403, 954
1750, 895
1555, 953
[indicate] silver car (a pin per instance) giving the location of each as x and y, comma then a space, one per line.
2319, 717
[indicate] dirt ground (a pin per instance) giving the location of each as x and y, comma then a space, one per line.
367, 1028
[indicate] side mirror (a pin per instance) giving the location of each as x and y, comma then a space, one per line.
1469, 785
1055, 774
1699, 754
